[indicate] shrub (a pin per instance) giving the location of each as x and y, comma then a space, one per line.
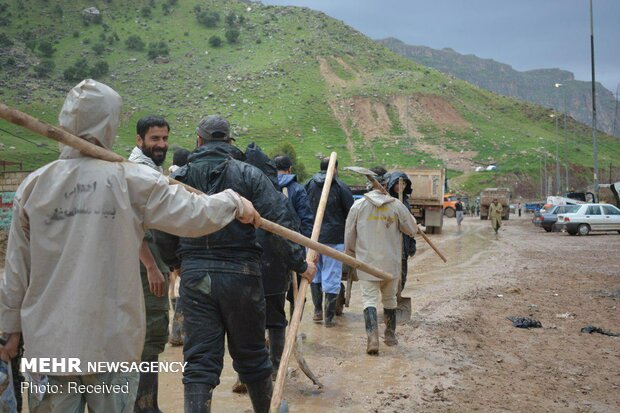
215, 41
100, 69
145, 11
99, 49
44, 68
78, 71
208, 18
158, 49
5, 41
134, 42
58, 12
46, 48
232, 35
231, 19
76, 34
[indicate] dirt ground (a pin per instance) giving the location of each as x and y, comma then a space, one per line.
459, 352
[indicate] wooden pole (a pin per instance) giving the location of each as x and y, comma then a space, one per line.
291, 335
35, 125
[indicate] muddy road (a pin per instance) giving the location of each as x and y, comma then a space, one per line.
459, 352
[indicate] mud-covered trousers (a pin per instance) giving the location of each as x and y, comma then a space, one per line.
218, 305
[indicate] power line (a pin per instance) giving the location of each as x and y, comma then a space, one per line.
38, 145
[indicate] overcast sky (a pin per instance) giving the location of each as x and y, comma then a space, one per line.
526, 34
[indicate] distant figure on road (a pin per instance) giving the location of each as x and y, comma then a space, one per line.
458, 206
519, 208
495, 213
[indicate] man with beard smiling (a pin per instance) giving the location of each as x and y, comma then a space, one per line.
151, 147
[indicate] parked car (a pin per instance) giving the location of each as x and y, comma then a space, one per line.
591, 217
547, 217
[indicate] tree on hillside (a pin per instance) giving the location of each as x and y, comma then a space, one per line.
134, 42
158, 49
78, 71
5, 41
231, 19
99, 49
145, 11
232, 35
46, 48
208, 18
286, 148
215, 41
44, 68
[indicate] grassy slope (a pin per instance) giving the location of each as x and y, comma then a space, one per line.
270, 87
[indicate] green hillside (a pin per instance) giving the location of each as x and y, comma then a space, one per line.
293, 75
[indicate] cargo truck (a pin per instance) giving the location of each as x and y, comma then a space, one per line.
426, 199
488, 195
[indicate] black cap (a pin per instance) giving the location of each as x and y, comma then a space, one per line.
214, 128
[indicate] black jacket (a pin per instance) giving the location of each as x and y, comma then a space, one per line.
338, 205
213, 168
278, 259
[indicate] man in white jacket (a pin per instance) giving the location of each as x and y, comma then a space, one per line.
72, 283
373, 233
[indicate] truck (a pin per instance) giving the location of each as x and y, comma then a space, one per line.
488, 195
426, 199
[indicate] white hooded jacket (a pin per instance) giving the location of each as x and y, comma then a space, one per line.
72, 281
373, 232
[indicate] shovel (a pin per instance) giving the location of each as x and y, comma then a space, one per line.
403, 304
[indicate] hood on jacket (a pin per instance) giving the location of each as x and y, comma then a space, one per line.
256, 157
92, 112
377, 198
319, 177
286, 179
392, 179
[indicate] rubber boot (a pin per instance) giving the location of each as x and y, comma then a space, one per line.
340, 301
317, 300
239, 387
177, 334
277, 337
146, 399
330, 309
389, 316
197, 397
260, 394
372, 332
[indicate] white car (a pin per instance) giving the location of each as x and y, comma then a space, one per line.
591, 217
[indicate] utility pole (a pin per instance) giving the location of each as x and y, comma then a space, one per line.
566, 186
558, 186
546, 184
540, 174
594, 143
616, 110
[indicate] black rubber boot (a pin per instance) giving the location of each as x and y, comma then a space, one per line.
372, 332
317, 300
389, 316
330, 309
146, 399
341, 300
197, 397
277, 337
260, 394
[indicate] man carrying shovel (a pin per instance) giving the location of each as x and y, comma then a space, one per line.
373, 233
